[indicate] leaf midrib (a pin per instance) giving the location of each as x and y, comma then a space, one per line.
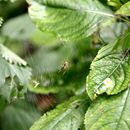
112, 71
81, 10
67, 112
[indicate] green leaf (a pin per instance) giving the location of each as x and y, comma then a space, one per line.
12, 76
19, 116
10, 56
67, 116
44, 90
109, 113
125, 40
11, 70
10, 65
68, 19
114, 3
110, 72
13, 73
6, 90
124, 10
42, 38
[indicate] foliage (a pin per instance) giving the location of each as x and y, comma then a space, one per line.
68, 115
124, 10
74, 50
13, 72
23, 113
88, 15
21, 32
109, 113
110, 62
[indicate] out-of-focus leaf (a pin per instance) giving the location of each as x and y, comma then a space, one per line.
2, 104
69, 19
113, 31
18, 116
67, 116
20, 28
1, 21
10, 70
44, 90
6, 91
13, 73
42, 38
109, 113
10, 56
116, 3
110, 72
11, 66
124, 10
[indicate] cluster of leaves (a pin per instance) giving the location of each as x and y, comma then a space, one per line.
109, 71
15, 75
78, 30
13, 72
